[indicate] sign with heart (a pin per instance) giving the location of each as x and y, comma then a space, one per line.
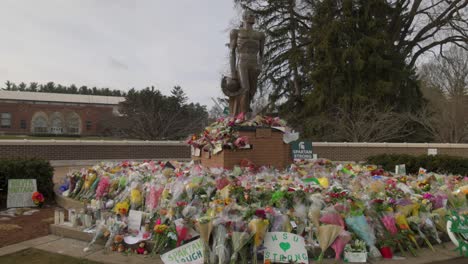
283, 247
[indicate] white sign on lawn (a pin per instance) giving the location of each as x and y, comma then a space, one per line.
20, 192
134, 221
282, 247
189, 253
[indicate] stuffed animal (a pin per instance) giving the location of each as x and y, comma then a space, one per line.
141, 250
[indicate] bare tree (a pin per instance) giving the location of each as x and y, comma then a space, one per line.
448, 73
420, 26
368, 124
445, 86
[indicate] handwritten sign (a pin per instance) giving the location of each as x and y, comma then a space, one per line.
282, 247
302, 150
189, 253
134, 221
20, 192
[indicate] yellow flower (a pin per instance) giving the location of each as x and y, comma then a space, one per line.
323, 182
135, 197
160, 228
121, 208
259, 227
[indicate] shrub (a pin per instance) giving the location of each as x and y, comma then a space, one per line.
38, 169
439, 163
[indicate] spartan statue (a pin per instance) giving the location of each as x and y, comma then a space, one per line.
246, 54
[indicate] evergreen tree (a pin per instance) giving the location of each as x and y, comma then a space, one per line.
285, 23
354, 62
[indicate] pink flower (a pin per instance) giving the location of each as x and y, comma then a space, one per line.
241, 142
390, 224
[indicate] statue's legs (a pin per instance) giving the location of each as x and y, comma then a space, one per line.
248, 78
234, 105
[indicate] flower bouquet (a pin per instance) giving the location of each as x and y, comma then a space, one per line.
205, 226
355, 252
161, 237
38, 199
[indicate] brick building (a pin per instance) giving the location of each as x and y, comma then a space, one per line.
33, 113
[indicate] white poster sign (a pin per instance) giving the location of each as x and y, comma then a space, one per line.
134, 221
189, 253
282, 247
20, 192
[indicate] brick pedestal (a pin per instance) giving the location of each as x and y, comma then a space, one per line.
267, 149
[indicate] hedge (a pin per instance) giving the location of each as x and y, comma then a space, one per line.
440, 163
38, 169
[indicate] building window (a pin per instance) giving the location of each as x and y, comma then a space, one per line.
5, 120
88, 125
40, 125
23, 124
73, 124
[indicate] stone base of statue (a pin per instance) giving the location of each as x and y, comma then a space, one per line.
266, 149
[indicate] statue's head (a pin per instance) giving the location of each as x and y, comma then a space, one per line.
248, 17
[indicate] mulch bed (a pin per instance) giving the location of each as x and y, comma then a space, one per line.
34, 256
25, 227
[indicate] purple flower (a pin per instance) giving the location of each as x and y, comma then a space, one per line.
427, 196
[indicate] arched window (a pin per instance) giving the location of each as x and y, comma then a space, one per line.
56, 123
40, 123
73, 124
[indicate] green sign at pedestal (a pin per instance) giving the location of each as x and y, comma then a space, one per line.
301, 150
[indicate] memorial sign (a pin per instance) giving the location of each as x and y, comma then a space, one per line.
20, 192
302, 150
188, 253
282, 247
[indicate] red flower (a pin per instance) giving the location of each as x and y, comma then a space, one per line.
37, 198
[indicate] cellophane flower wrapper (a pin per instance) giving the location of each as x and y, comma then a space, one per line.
363, 230
239, 240
183, 231
220, 250
205, 227
314, 211
280, 223
100, 230
178, 188
340, 242
332, 218
403, 225
136, 198
103, 187
259, 227
439, 216
326, 236
415, 225
153, 197
429, 226
389, 222
300, 217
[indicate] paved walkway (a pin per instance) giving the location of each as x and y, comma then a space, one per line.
72, 247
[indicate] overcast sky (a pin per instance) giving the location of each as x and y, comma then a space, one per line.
117, 43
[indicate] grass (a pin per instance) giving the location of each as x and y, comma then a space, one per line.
6, 137
36, 256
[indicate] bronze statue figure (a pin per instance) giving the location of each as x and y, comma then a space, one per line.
246, 46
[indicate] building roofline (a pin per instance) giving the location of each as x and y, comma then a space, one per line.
60, 98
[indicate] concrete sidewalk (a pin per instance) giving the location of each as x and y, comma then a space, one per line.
74, 248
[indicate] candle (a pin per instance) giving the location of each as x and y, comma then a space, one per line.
61, 217
56, 217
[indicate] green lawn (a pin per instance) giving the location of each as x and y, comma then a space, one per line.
36, 256
6, 137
